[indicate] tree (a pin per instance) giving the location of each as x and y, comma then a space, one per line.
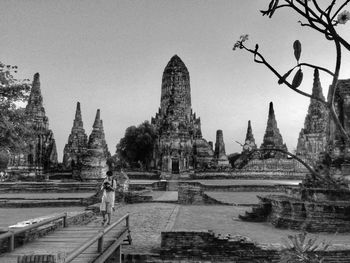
302, 248
13, 131
324, 19
137, 144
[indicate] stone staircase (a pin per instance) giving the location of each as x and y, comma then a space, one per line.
258, 214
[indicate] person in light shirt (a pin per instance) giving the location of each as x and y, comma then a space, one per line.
108, 197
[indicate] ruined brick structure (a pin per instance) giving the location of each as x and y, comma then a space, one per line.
272, 137
77, 142
249, 142
41, 154
94, 160
180, 146
313, 137
267, 161
320, 204
220, 153
338, 148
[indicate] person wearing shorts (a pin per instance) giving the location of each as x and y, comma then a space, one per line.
108, 197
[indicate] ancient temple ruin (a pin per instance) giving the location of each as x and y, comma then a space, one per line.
77, 143
339, 150
94, 160
220, 157
180, 146
265, 160
321, 202
313, 137
40, 154
249, 142
272, 138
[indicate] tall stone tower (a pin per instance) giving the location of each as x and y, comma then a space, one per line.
41, 155
94, 161
272, 137
77, 142
313, 137
249, 142
220, 153
180, 146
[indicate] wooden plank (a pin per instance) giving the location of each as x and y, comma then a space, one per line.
68, 240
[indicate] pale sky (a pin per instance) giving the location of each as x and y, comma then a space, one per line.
111, 55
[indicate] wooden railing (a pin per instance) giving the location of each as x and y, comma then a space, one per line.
99, 239
13, 233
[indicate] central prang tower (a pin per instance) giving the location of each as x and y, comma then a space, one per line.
175, 100
180, 146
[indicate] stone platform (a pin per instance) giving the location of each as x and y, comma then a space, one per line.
289, 212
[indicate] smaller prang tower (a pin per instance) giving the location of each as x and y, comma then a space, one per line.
220, 153
77, 142
313, 137
94, 161
272, 138
249, 142
41, 153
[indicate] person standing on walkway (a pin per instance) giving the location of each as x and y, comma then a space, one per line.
108, 197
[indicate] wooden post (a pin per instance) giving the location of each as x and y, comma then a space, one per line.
11, 242
127, 222
117, 255
128, 228
65, 219
100, 244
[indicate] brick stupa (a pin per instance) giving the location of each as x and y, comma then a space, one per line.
94, 161
272, 138
77, 142
313, 137
41, 153
220, 153
249, 142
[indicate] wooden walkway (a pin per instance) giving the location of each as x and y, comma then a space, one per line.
78, 244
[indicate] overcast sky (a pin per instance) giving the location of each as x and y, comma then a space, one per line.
111, 55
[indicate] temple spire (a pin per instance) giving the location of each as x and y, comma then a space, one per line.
272, 137
271, 112
220, 153
78, 112
317, 88
77, 142
249, 136
97, 122
94, 161
249, 143
78, 121
35, 102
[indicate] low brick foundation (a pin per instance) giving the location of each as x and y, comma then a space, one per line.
205, 246
293, 213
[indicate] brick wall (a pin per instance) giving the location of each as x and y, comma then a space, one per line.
205, 246
242, 174
190, 194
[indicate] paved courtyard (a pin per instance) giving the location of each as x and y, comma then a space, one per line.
148, 220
